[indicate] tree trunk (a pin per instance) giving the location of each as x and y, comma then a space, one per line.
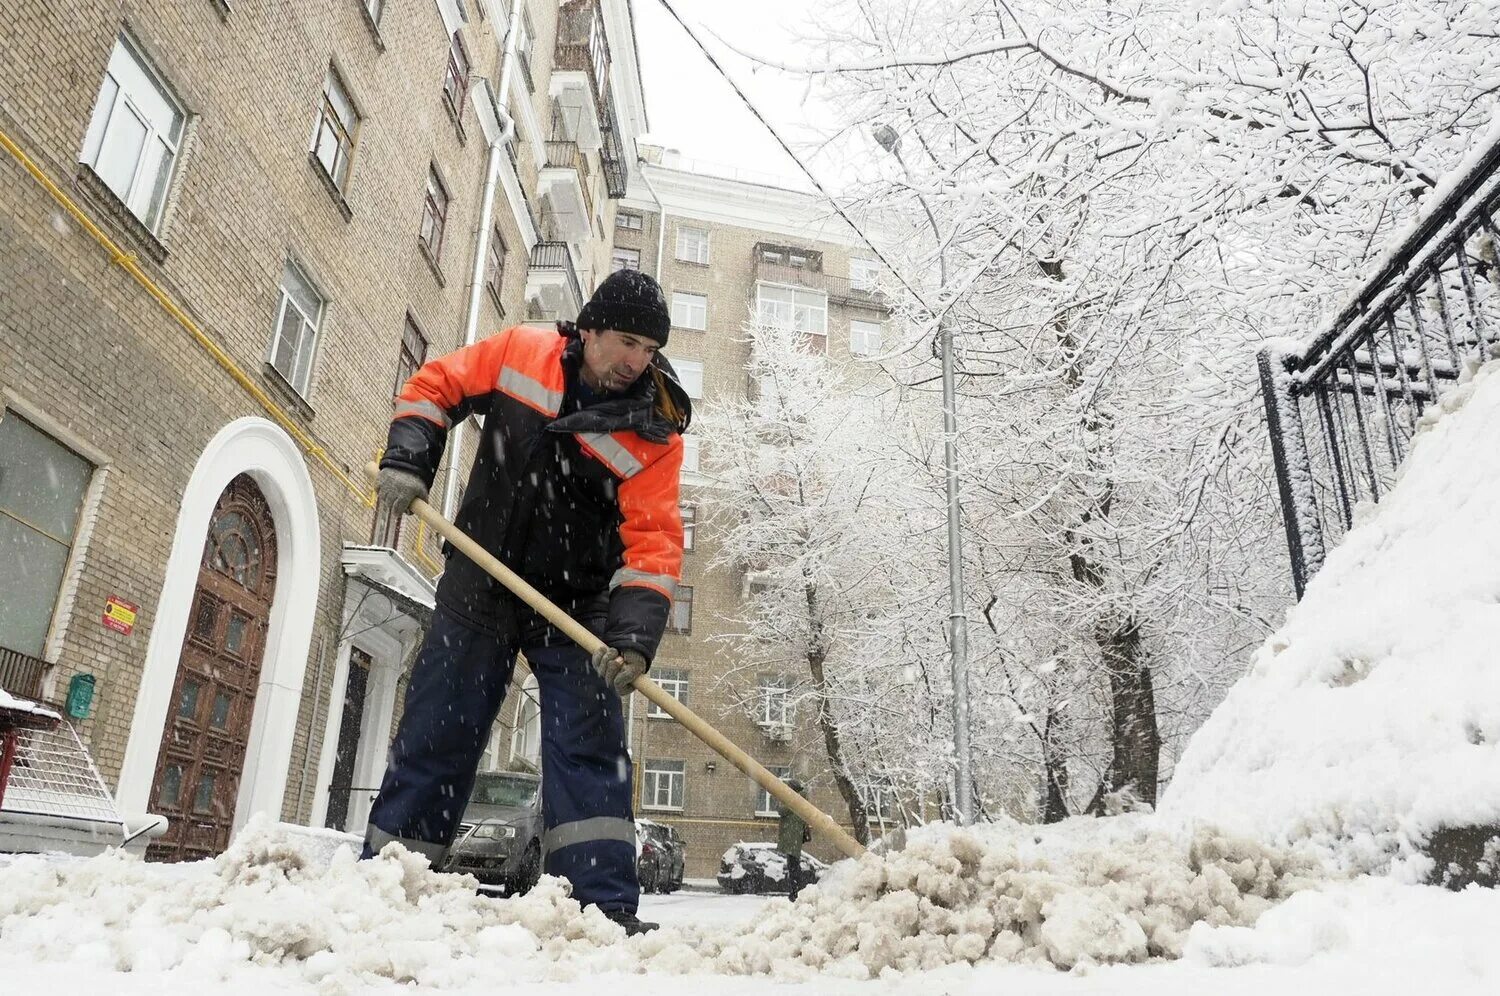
1137, 740
1055, 771
816, 657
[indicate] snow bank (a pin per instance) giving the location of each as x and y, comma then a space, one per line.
1083, 893
1372, 718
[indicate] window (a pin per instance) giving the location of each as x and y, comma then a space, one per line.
880, 799
629, 221
134, 133
299, 315
456, 80
625, 259
413, 353
771, 700
673, 681
337, 122
864, 337
525, 37
689, 526
42, 486
682, 610
434, 215
375, 8
765, 802
526, 738
690, 376
805, 311
690, 454
692, 244
799, 259
662, 784
864, 274
494, 269
689, 311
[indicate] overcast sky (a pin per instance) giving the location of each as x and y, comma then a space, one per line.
690, 106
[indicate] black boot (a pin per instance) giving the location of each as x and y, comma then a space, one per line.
633, 924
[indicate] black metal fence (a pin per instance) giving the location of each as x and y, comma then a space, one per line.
1342, 410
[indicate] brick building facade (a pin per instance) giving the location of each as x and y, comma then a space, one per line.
227, 232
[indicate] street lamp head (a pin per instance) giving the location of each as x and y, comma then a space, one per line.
886, 137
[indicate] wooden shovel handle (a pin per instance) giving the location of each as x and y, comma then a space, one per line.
821, 822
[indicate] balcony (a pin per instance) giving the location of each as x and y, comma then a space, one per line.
564, 180
840, 290
552, 285
580, 68
21, 674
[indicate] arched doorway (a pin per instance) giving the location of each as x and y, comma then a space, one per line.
202, 751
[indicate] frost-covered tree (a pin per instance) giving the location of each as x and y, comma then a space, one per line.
1113, 203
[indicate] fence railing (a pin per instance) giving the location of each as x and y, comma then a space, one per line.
21, 674
1342, 411
839, 289
555, 256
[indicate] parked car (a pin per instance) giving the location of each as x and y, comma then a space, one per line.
661, 856
760, 868
499, 837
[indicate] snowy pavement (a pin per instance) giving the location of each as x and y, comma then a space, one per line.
279, 913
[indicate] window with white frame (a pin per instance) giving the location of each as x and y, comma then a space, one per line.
690, 454
42, 490
689, 311
765, 802
662, 784
772, 694
681, 620
692, 244
333, 143
689, 526
494, 269
134, 134
805, 311
526, 738
864, 274
625, 259
690, 376
864, 337
673, 681
880, 799
299, 316
525, 38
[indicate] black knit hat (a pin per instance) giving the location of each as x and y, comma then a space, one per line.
628, 301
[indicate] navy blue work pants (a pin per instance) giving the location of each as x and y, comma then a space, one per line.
455, 692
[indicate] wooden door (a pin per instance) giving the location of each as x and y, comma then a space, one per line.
202, 751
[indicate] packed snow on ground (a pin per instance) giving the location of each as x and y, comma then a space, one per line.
1373, 716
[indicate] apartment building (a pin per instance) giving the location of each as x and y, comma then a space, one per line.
227, 233
727, 247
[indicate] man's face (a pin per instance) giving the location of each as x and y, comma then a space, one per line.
613, 360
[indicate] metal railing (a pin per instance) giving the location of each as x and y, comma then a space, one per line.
612, 151
839, 289
582, 46
1342, 411
565, 154
555, 256
21, 674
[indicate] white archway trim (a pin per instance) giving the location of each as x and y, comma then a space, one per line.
260, 448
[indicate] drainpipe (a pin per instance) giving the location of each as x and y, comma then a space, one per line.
482, 242
661, 220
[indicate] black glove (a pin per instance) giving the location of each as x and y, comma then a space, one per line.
396, 489
620, 668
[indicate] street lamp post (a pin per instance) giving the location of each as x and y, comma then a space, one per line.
958, 622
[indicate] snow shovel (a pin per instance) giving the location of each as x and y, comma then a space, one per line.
820, 822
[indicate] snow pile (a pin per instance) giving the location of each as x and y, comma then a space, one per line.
1083, 892
1372, 718
1087, 892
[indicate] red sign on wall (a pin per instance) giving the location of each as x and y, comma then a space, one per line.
119, 615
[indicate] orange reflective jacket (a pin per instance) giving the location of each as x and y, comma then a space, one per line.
582, 501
